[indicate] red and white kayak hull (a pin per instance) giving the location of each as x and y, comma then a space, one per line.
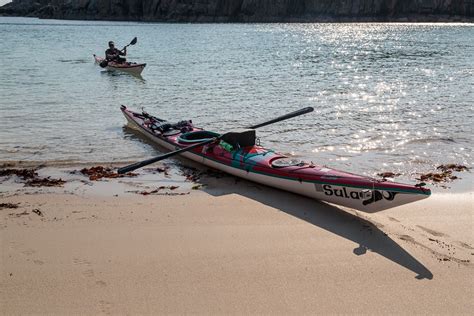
318, 182
131, 68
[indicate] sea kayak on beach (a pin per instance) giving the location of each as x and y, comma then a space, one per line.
239, 155
132, 68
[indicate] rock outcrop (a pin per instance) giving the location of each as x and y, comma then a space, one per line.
245, 10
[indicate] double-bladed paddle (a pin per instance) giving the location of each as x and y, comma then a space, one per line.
182, 150
105, 62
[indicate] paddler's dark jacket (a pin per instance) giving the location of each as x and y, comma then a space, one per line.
114, 53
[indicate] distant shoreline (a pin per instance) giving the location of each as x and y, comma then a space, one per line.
319, 19
238, 11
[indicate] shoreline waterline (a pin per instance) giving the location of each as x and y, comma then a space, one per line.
461, 184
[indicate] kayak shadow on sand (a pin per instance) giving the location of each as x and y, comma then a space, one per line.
320, 214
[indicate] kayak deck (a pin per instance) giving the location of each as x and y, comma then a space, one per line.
256, 163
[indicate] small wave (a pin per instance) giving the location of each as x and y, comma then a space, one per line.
420, 161
23, 149
74, 61
431, 140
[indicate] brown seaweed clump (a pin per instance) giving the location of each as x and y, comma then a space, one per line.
8, 205
194, 175
452, 167
171, 187
445, 175
437, 177
99, 172
164, 170
31, 177
45, 182
388, 174
21, 173
191, 174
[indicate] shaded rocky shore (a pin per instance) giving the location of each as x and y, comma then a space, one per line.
246, 10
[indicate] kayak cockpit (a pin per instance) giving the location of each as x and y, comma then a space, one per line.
282, 162
196, 137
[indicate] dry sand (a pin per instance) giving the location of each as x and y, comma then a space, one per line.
231, 247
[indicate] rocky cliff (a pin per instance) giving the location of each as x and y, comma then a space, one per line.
246, 10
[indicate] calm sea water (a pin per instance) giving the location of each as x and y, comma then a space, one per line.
387, 97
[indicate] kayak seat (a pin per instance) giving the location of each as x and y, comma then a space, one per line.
196, 137
240, 139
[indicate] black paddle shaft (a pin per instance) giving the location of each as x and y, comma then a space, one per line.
185, 149
164, 156
283, 117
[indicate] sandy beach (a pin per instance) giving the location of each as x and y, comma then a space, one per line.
226, 246
339, 110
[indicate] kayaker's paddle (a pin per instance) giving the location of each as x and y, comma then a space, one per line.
182, 150
133, 42
105, 62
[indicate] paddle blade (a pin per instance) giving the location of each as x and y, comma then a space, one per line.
134, 41
283, 117
104, 63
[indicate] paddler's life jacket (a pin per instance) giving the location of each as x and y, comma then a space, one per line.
113, 54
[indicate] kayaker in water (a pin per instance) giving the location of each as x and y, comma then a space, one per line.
113, 54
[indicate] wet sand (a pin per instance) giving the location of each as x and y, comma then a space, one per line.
226, 246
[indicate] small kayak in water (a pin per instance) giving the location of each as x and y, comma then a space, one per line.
239, 155
132, 68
